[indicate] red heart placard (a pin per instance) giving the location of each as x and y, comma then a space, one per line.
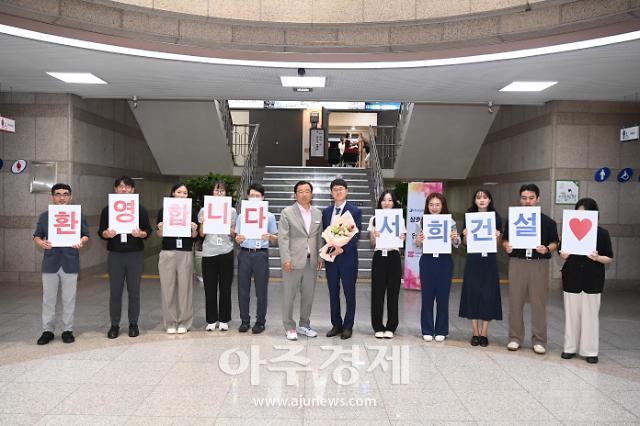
580, 228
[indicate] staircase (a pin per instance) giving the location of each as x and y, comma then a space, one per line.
278, 182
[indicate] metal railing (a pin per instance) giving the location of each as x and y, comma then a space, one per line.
225, 117
250, 161
386, 144
374, 160
240, 141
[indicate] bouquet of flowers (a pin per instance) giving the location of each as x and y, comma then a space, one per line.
338, 234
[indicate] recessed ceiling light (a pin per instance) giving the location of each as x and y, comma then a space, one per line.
528, 86
77, 77
291, 81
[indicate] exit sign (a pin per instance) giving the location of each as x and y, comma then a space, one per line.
7, 124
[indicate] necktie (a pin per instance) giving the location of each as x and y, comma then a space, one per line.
338, 211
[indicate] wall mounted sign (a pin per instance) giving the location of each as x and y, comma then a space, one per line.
631, 133
7, 124
567, 191
18, 166
625, 175
602, 174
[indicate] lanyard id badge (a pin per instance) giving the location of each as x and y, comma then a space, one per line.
218, 241
529, 253
385, 252
179, 243
123, 238
436, 254
258, 244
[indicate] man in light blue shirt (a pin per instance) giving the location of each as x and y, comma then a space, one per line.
254, 260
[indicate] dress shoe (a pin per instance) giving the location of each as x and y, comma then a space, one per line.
134, 331
113, 332
334, 331
567, 355
67, 337
484, 341
244, 327
46, 337
258, 328
475, 341
346, 334
592, 359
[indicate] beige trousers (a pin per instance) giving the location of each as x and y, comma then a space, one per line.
528, 281
176, 282
581, 323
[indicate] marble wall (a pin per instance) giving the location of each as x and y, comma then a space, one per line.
92, 142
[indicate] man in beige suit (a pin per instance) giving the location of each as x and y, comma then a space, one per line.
299, 232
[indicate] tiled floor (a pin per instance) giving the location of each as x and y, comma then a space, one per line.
162, 379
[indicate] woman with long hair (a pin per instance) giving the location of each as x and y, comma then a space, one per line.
480, 300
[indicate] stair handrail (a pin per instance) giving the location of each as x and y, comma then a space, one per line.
224, 114
404, 117
376, 170
250, 164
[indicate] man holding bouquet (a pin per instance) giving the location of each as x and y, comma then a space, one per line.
344, 267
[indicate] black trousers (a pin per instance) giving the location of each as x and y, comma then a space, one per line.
386, 272
121, 267
217, 273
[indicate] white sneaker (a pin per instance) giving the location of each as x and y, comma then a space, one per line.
171, 330
379, 334
513, 345
223, 326
539, 349
428, 338
211, 327
440, 338
307, 331
292, 335
388, 334
181, 330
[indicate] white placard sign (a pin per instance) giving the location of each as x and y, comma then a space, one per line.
217, 215
65, 225
579, 231
124, 212
253, 220
437, 233
390, 224
481, 232
176, 217
524, 227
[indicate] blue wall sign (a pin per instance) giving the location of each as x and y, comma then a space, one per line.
602, 174
625, 175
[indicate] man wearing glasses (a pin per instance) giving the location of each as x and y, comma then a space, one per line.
299, 236
345, 265
124, 262
60, 267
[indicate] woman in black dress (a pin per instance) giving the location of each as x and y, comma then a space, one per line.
480, 300
582, 285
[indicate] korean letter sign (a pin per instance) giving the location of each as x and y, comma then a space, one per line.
176, 217
390, 224
124, 212
524, 227
217, 215
254, 221
437, 233
481, 232
64, 225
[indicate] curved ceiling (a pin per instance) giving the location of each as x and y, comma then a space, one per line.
607, 72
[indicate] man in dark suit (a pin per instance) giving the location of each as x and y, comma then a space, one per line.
345, 265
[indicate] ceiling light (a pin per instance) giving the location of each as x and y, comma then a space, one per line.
289, 81
303, 89
77, 77
528, 86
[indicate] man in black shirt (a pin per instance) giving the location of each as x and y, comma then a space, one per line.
126, 253
529, 277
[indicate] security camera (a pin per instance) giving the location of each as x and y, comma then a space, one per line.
301, 72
